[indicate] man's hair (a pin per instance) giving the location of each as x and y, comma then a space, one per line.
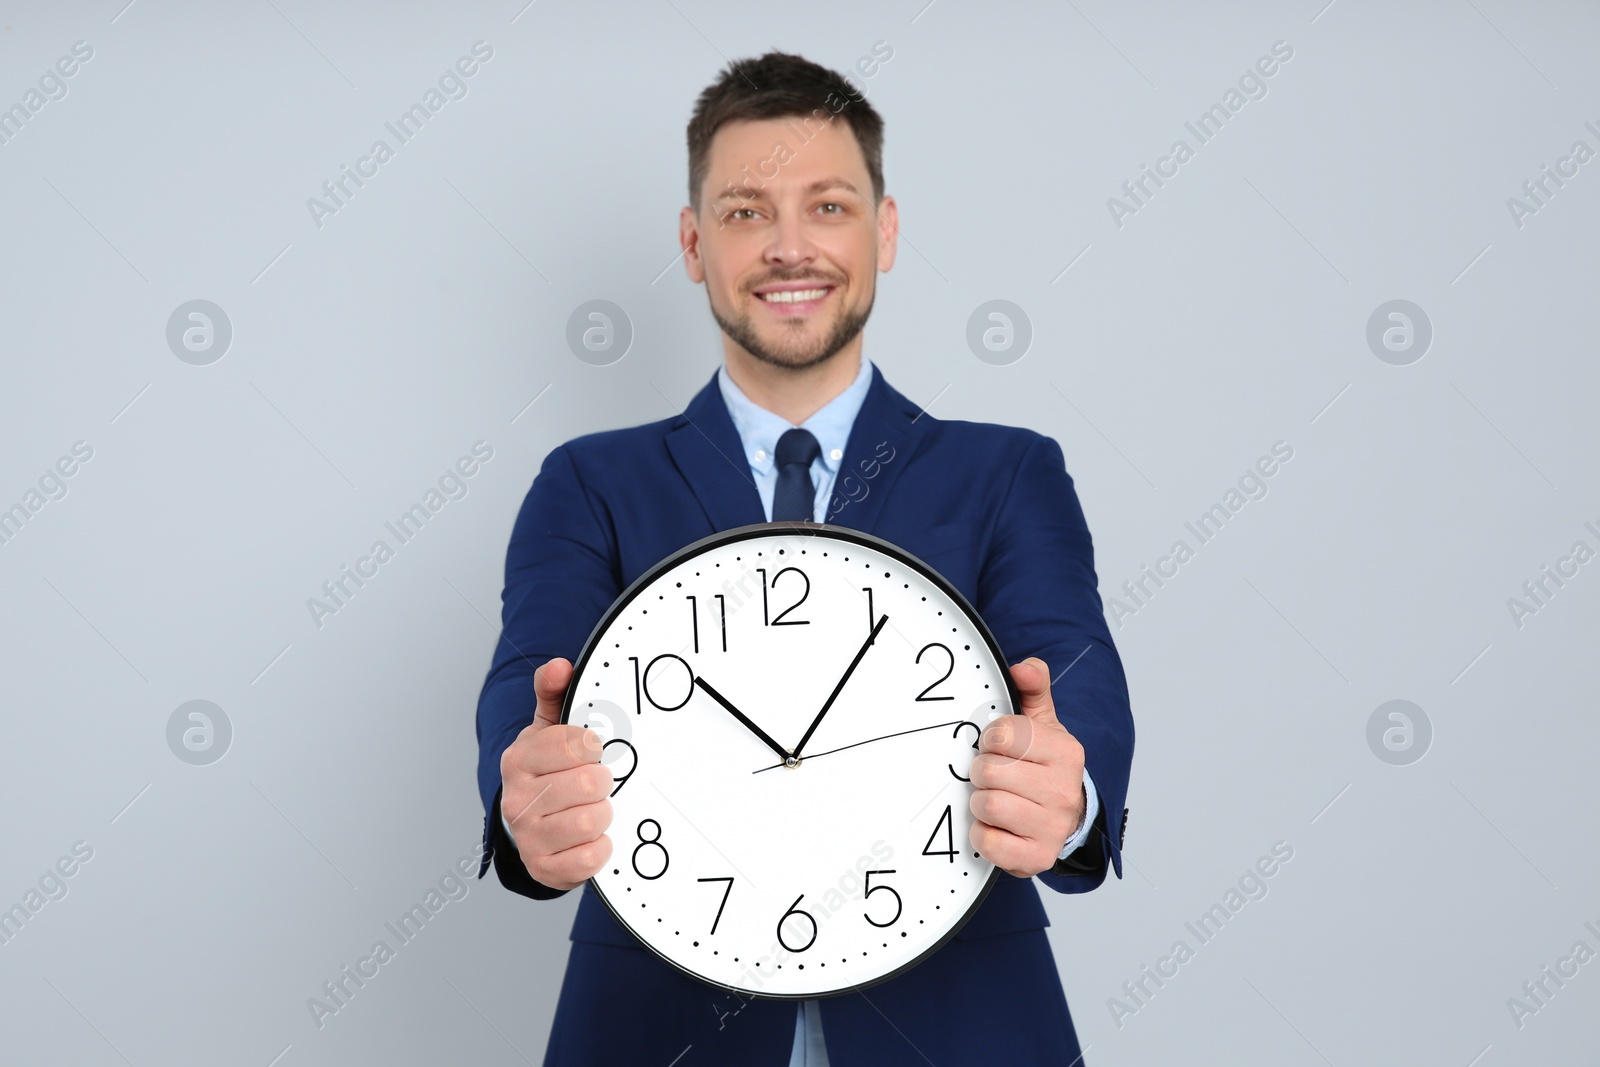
779, 85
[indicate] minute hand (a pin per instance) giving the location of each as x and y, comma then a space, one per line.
873, 636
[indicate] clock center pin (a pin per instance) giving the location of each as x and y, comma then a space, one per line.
791, 761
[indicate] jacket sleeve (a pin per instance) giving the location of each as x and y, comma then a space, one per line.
561, 576
1039, 595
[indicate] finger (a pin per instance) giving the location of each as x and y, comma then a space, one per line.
556, 748
1019, 816
556, 792
571, 867
1017, 856
573, 826
1033, 685
1038, 782
549, 689
1015, 736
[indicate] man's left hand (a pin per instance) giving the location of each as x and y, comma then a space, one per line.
1027, 779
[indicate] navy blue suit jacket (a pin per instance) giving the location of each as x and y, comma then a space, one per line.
990, 507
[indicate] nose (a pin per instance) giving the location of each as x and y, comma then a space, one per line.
790, 245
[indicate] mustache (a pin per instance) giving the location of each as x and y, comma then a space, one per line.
821, 279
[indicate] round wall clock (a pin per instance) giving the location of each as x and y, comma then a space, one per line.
789, 713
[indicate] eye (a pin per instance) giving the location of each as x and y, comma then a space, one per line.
739, 212
834, 204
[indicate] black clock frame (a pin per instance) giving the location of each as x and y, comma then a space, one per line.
836, 533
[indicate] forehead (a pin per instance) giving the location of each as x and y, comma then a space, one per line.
792, 152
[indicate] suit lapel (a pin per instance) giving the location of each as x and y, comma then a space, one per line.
887, 432
705, 446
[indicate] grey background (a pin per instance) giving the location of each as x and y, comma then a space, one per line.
368, 354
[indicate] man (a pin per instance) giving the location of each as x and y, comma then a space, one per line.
787, 227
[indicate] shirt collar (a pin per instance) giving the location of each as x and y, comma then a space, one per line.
759, 429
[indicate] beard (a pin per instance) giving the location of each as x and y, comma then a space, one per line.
797, 355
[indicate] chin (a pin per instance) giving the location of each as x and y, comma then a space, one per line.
793, 360
812, 345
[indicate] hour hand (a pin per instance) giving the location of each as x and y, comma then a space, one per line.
782, 752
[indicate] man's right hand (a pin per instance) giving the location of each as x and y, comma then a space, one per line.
555, 792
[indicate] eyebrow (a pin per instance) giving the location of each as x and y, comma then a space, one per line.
821, 185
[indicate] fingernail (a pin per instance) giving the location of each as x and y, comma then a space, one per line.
591, 741
999, 735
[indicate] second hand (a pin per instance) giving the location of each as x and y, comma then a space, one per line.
868, 741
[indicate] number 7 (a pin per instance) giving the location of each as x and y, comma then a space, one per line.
725, 891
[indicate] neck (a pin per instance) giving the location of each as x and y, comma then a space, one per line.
791, 393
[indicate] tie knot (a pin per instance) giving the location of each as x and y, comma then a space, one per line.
797, 446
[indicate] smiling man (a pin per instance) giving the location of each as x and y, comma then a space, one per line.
789, 262
788, 227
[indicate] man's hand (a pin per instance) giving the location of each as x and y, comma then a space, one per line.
1027, 778
555, 792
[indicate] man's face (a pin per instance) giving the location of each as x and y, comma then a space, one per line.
787, 239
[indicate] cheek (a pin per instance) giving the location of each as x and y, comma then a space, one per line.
863, 268
729, 260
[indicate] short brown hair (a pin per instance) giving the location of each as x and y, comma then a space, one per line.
779, 85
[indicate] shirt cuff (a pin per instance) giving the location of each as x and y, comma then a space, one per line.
1091, 809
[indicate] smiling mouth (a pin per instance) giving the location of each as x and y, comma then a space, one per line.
795, 296
795, 304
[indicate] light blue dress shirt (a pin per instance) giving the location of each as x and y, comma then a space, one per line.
759, 430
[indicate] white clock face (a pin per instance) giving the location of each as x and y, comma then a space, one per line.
791, 807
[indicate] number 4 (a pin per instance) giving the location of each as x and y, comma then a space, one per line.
949, 837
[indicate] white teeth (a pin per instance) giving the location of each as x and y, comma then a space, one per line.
790, 296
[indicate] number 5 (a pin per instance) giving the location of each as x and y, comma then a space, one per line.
871, 889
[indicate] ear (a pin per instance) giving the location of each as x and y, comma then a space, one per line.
888, 232
689, 240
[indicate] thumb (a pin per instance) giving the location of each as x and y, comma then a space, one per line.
549, 689
1033, 684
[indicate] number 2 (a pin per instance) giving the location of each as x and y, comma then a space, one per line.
947, 671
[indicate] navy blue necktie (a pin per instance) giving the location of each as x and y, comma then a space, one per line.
795, 497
